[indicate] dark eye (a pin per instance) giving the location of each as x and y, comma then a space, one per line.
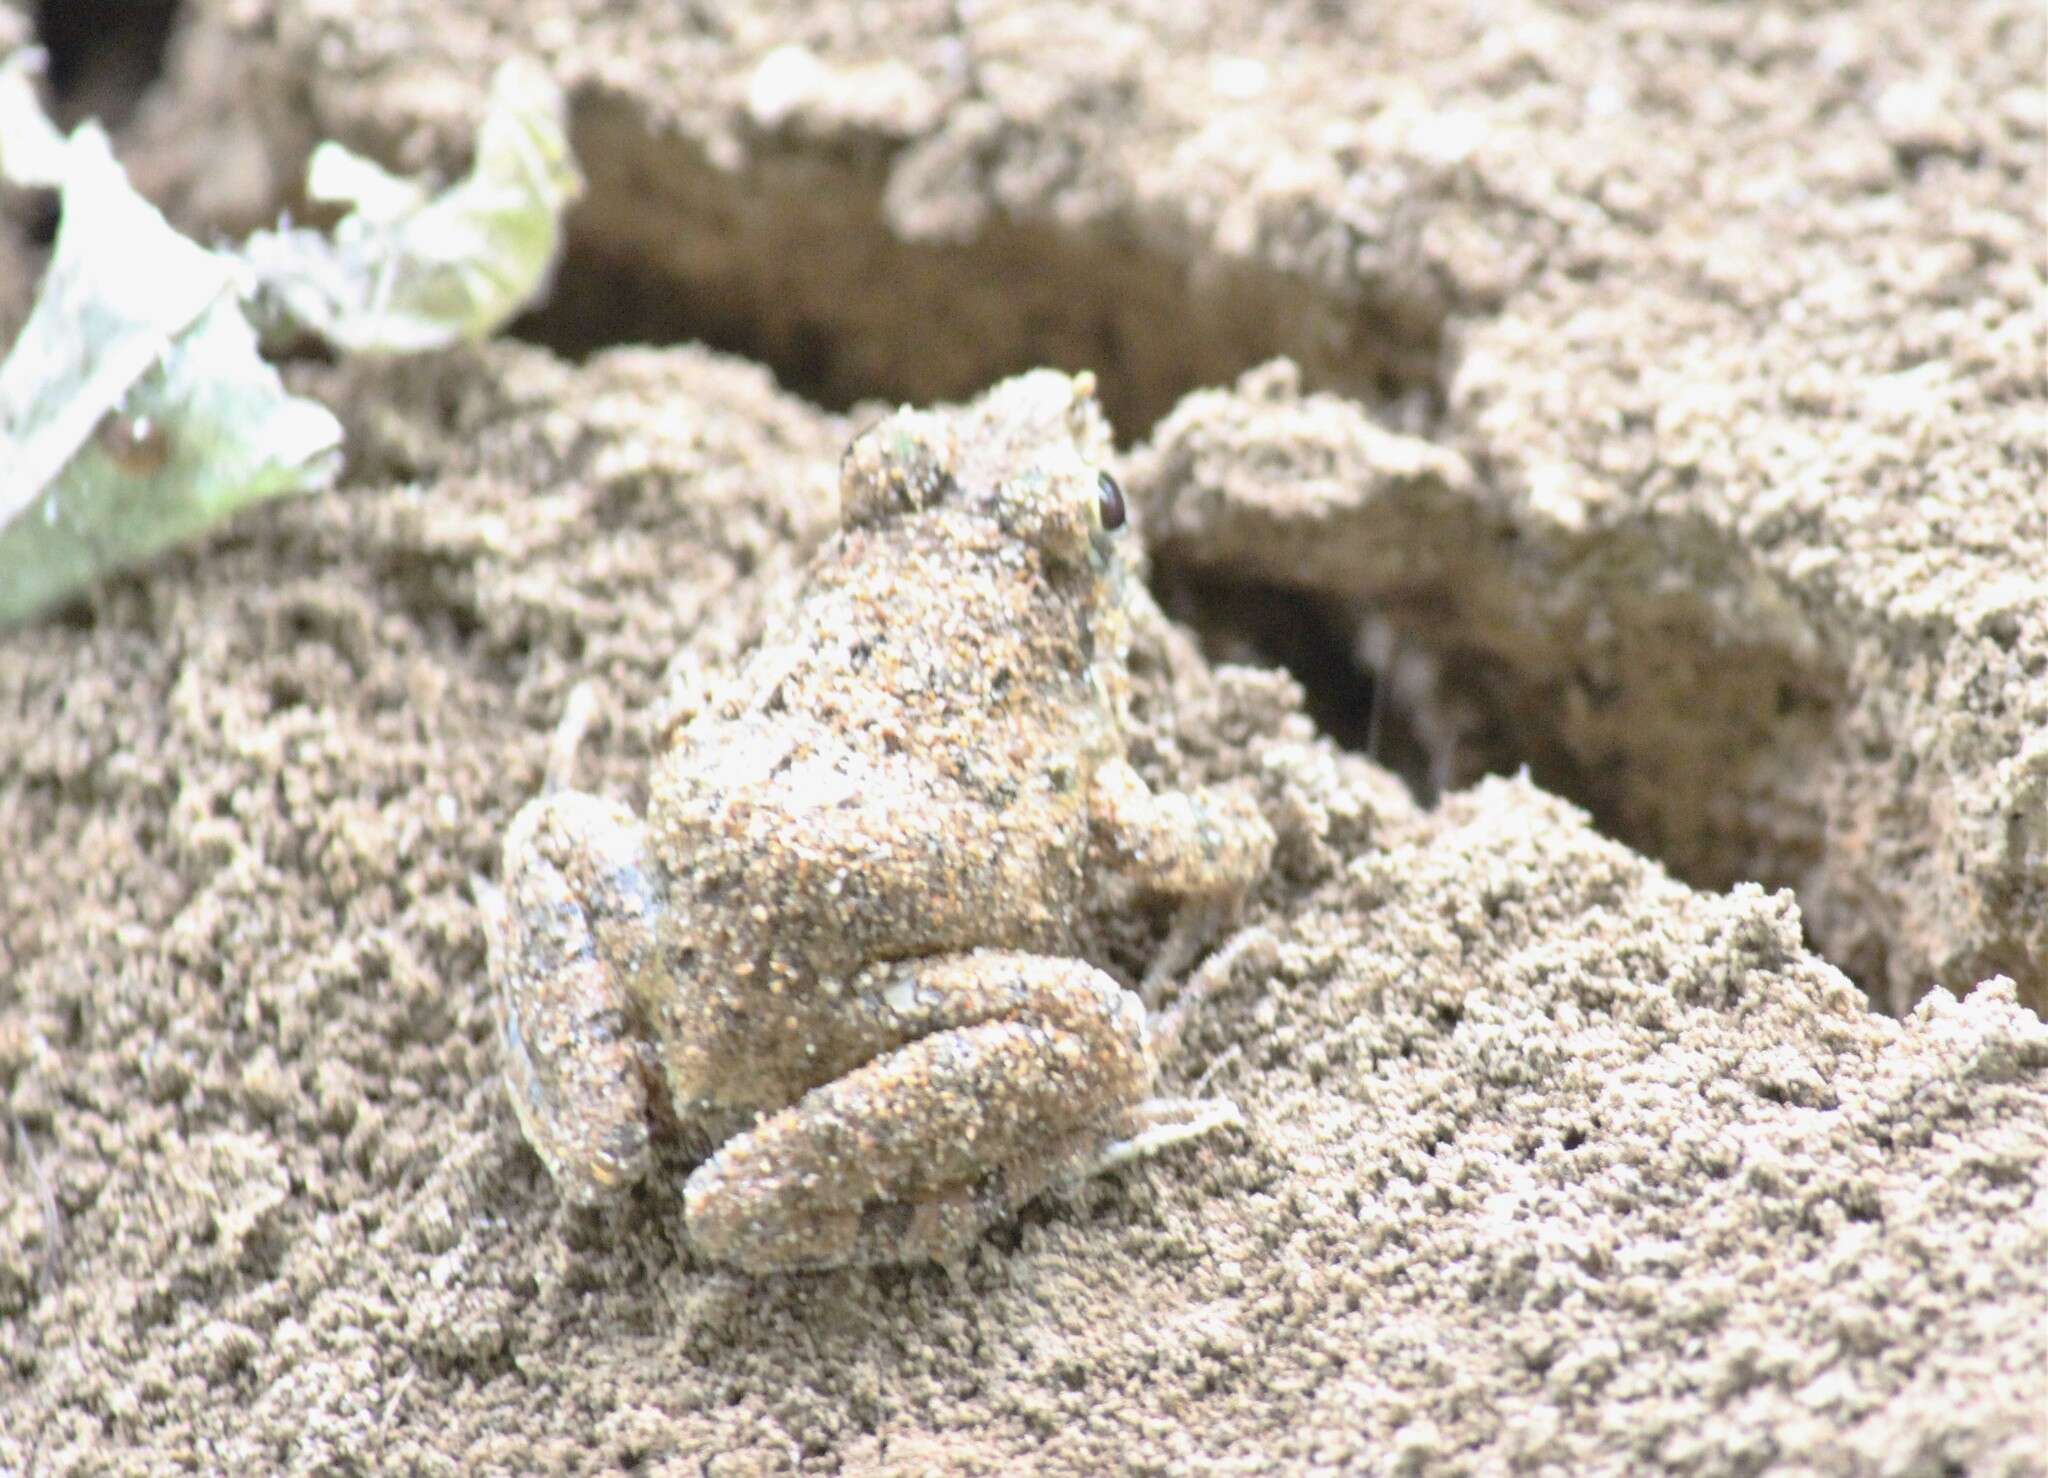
1111, 500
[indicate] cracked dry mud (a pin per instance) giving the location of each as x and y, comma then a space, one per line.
1664, 411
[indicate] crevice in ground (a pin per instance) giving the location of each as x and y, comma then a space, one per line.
791, 262
1698, 754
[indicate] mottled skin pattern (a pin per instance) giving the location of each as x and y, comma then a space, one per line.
840, 946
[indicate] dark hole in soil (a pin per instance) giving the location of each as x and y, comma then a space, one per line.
103, 54
926, 350
1315, 640
603, 299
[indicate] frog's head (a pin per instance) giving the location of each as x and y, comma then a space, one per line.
1028, 455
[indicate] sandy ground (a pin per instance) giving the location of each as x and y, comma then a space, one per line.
1650, 396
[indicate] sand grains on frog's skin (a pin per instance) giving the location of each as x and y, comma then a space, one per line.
841, 941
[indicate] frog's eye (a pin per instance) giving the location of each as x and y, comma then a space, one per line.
1110, 501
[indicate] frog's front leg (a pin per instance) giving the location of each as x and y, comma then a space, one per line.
996, 1074
572, 931
1205, 847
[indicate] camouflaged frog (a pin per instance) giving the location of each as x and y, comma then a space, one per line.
840, 947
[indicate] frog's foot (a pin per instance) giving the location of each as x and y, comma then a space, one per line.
574, 924
1204, 847
1014, 1072
1249, 952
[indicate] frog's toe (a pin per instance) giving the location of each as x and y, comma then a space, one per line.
1155, 1125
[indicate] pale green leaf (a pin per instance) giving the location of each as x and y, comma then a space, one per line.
407, 271
134, 409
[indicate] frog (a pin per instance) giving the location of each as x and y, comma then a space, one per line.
841, 950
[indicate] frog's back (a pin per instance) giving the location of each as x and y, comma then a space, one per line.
901, 771
944, 645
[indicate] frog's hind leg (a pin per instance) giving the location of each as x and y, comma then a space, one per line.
1009, 1073
573, 926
